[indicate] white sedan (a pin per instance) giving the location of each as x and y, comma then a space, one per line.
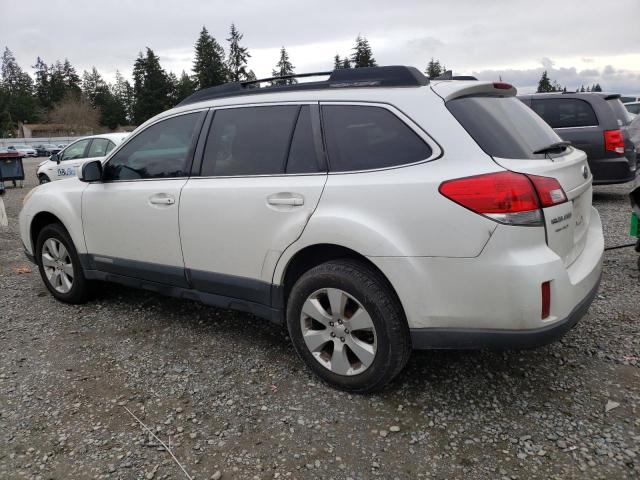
24, 150
68, 161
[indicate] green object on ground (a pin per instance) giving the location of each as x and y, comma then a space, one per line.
635, 225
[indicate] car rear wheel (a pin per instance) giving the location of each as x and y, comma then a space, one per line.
346, 323
59, 265
43, 178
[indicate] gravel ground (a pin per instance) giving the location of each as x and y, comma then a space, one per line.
228, 394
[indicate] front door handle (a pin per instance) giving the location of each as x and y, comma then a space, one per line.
285, 198
162, 199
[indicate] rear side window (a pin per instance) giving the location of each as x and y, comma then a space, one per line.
249, 141
98, 147
302, 154
363, 138
160, 151
565, 112
503, 126
621, 113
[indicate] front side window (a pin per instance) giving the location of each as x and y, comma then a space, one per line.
75, 151
364, 138
249, 141
565, 112
98, 147
160, 151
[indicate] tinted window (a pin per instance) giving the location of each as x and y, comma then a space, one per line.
75, 151
503, 126
249, 141
565, 112
110, 146
98, 147
161, 150
621, 114
302, 154
362, 138
633, 108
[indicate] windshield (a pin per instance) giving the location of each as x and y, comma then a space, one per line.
503, 126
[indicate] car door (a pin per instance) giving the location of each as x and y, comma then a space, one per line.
130, 218
70, 159
261, 176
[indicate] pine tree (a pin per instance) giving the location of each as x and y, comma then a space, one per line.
251, 76
209, 64
151, 87
582, 88
237, 61
337, 63
362, 55
596, 88
42, 83
283, 68
71, 78
18, 90
123, 93
111, 112
185, 86
433, 69
544, 85
346, 63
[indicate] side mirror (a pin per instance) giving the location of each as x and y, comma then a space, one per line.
91, 172
55, 158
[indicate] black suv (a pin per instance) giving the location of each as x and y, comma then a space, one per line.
596, 123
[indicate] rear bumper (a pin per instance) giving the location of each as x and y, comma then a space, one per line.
608, 171
460, 338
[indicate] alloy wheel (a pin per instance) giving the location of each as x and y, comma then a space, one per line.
57, 265
338, 331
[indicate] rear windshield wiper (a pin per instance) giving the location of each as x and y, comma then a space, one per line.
554, 147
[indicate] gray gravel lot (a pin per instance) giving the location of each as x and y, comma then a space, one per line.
228, 394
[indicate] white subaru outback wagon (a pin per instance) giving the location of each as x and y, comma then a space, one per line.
373, 213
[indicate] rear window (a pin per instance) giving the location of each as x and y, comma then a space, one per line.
503, 126
565, 112
621, 114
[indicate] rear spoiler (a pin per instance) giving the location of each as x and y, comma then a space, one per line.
450, 90
612, 96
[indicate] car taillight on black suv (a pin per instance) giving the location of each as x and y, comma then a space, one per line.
614, 141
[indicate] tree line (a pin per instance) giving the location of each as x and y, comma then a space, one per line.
546, 85
56, 93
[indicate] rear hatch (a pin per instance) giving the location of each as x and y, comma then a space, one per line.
520, 141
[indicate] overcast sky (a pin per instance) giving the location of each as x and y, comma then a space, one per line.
578, 42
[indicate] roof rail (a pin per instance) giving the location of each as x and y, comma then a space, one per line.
448, 75
389, 76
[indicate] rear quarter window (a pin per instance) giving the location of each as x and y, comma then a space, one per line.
621, 113
503, 126
565, 112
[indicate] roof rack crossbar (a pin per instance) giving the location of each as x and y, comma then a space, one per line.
388, 76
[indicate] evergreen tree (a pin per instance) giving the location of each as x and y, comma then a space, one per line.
152, 89
209, 64
251, 76
337, 63
111, 112
346, 63
57, 86
123, 94
18, 90
544, 85
283, 68
185, 86
42, 83
70, 78
237, 61
362, 55
582, 88
433, 69
596, 88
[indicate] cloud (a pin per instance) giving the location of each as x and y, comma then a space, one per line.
587, 60
547, 63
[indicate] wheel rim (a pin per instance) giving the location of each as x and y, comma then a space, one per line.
57, 265
44, 179
338, 331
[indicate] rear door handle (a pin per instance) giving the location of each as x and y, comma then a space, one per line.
162, 199
285, 198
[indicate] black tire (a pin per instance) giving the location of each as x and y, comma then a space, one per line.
372, 291
79, 291
42, 178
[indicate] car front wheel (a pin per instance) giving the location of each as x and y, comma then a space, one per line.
42, 178
346, 323
59, 265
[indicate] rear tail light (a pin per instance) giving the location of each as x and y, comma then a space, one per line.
506, 197
546, 300
614, 141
